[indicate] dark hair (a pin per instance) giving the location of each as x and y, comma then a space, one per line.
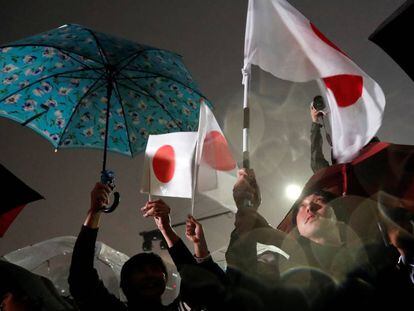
136, 263
328, 196
21, 297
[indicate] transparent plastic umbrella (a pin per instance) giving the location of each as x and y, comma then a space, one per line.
51, 259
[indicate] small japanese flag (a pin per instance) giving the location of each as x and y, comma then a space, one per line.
213, 154
168, 164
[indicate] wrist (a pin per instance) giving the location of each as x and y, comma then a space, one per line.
201, 259
95, 210
164, 228
200, 249
201, 252
92, 219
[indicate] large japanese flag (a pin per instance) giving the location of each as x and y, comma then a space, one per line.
168, 164
213, 154
280, 40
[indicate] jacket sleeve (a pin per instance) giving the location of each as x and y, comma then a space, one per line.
201, 283
318, 160
182, 257
85, 286
241, 254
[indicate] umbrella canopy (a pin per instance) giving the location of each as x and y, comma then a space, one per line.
15, 195
51, 259
390, 36
82, 88
380, 168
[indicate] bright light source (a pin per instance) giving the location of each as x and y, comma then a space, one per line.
293, 191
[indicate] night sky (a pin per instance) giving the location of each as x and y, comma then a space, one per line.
210, 37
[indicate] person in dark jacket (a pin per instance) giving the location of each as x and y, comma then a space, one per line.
22, 290
321, 250
318, 160
317, 240
396, 280
143, 276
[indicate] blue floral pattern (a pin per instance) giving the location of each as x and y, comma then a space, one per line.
56, 83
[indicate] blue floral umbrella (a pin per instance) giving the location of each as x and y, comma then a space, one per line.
82, 88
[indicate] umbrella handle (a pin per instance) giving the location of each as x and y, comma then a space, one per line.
108, 178
114, 205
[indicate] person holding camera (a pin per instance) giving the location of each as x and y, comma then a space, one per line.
317, 112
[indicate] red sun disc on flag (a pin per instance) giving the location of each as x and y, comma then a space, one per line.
321, 36
216, 152
163, 163
347, 89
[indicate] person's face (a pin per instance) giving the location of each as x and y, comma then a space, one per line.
149, 282
312, 214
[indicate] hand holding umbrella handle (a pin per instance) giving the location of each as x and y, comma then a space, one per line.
108, 178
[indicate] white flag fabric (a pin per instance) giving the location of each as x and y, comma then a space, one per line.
168, 165
280, 40
213, 155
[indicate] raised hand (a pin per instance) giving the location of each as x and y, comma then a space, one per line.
246, 190
195, 233
160, 211
315, 114
100, 196
193, 230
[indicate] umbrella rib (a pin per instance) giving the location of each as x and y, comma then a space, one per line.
169, 78
123, 110
75, 77
134, 56
100, 48
76, 60
132, 89
149, 95
97, 70
64, 51
78, 104
40, 80
137, 78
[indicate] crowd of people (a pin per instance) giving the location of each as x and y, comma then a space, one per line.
329, 266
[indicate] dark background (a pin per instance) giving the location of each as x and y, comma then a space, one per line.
210, 36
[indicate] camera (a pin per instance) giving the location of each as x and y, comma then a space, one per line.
318, 103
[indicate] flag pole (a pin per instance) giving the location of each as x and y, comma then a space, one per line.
246, 116
196, 160
194, 184
149, 183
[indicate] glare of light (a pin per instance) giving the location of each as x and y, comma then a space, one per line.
293, 191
